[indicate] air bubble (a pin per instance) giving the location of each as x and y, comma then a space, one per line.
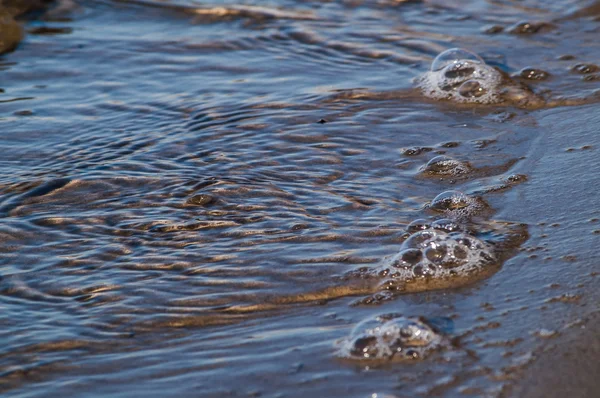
462, 76
419, 240
454, 56
415, 151
455, 68
392, 337
365, 347
442, 165
408, 258
516, 178
459, 70
450, 200
418, 225
461, 252
447, 255
472, 89
457, 205
437, 254
446, 225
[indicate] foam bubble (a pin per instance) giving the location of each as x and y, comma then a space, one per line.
391, 336
444, 166
450, 200
442, 254
418, 225
454, 56
457, 205
446, 225
462, 76
443, 224
433, 253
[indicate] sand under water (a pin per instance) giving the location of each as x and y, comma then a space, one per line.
287, 199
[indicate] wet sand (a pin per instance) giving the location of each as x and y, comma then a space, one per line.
565, 366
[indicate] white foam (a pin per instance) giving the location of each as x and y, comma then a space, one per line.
432, 253
445, 166
462, 76
390, 337
457, 205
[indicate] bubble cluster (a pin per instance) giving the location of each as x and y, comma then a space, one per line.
462, 76
391, 336
446, 225
445, 166
443, 224
435, 253
457, 205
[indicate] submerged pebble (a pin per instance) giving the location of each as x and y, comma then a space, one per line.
493, 29
414, 151
585, 69
392, 336
201, 200
533, 74
566, 57
10, 32
527, 28
591, 78
515, 178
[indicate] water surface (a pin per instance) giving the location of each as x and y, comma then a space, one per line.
187, 190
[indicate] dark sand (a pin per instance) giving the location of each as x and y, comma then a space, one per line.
566, 366
569, 364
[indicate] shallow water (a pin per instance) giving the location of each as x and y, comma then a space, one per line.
196, 198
